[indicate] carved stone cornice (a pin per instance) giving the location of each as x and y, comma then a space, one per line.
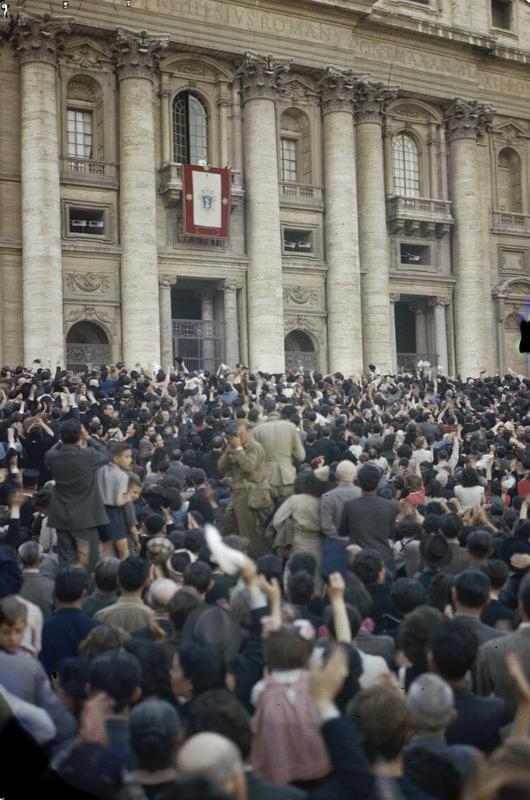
336, 90
394, 297
232, 284
370, 100
38, 37
467, 119
137, 54
440, 302
259, 76
166, 282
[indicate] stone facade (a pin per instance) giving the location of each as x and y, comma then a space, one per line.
380, 204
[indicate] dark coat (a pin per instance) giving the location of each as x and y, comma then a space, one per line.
76, 503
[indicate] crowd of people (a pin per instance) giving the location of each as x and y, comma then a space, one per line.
244, 586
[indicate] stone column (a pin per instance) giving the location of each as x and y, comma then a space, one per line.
231, 287
207, 316
345, 353
36, 41
137, 56
370, 102
394, 298
223, 105
165, 124
419, 308
165, 284
259, 84
439, 305
466, 120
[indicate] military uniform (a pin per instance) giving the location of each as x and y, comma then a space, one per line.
282, 446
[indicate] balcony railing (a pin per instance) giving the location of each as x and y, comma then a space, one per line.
301, 193
81, 356
86, 169
506, 222
420, 216
411, 362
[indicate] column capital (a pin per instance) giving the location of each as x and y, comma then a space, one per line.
370, 100
36, 37
336, 90
394, 298
137, 54
440, 302
233, 284
467, 119
418, 306
259, 76
166, 281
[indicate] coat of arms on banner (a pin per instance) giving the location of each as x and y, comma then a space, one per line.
206, 193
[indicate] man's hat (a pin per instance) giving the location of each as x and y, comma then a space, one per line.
435, 551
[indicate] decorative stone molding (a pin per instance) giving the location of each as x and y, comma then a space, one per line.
512, 286
298, 296
467, 119
259, 76
433, 302
370, 100
85, 54
418, 306
232, 284
137, 55
90, 282
336, 90
394, 298
38, 38
107, 316
314, 325
166, 282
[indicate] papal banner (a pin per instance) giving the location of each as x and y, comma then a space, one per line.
206, 193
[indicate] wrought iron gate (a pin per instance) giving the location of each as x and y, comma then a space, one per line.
296, 359
201, 343
81, 356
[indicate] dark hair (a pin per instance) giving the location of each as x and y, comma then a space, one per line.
106, 574
181, 604
354, 618
451, 526
439, 590
133, 573
101, 639
154, 664
218, 711
469, 477
198, 575
357, 595
372, 706
285, 649
414, 634
479, 543
118, 674
407, 594
202, 665
497, 571
301, 587
197, 476
302, 562
454, 649
70, 431
73, 676
368, 478
117, 448
367, 566
472, 588
408, 528
270, 566
70, 583
11, 610
154, 729
194, 540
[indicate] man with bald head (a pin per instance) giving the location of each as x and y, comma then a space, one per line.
158, 597
215, 758
334, 556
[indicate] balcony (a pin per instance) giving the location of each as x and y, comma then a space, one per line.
506, 222
414, 362
170, 185
85, 170
418, 216
299, 194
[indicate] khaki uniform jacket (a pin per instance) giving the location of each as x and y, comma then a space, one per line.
246, 467
282, 445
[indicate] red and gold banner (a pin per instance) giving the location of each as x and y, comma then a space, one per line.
206, 193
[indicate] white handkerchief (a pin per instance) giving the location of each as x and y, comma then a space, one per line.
230, 560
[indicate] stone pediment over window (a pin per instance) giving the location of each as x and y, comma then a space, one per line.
85, 54
193, 68
518, 287
512, 129
298, 92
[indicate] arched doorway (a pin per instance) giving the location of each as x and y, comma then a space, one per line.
299, 351
86, 344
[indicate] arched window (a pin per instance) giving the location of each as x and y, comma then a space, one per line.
406, 166
190, 129
509, 170
295, 147
84, 120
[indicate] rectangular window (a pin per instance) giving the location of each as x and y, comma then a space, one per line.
417, 255
501, 14
79, 133
299, 242
289, 171
86, 221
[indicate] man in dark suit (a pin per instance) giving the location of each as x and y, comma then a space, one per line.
76, 507
491, 673
453, 650
470, 594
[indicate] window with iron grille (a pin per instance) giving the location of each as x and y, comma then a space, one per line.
190, 129
406, 166
289, 160
79, 133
